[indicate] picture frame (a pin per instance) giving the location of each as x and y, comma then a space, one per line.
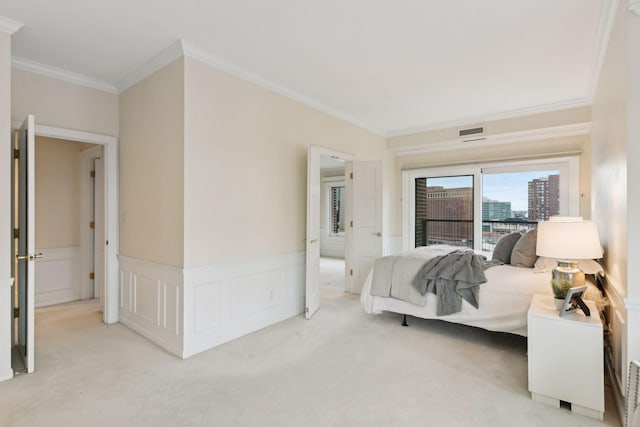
574, 301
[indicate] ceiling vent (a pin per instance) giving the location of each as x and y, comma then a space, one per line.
472, 134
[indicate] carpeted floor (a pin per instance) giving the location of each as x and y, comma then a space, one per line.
342, 368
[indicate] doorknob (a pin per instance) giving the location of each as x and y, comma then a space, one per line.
313, 241
29, 257
377, 234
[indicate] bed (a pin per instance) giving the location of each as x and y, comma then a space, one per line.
504, 299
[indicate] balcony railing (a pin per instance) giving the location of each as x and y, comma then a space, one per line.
460, 232
492, 231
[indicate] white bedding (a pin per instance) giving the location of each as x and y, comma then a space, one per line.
504, 298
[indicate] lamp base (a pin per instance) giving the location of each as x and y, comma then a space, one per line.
568, 270
565, 275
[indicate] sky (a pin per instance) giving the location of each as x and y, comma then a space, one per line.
504, 187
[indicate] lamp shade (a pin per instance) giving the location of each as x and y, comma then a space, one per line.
568, 238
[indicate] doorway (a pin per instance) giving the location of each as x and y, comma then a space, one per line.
332, 223
25, 215
66, 220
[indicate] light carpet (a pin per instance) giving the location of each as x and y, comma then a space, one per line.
342, 368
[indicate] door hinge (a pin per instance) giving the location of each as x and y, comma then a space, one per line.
351, 272
306, 309
92, 225
16, 233
351, 224
350, 175
92, 174
16, 153
92, 276
16, 312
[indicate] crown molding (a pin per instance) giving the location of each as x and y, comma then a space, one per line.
564, 105
156, 63
634, 6
182, 48
237, 71
60, 74
9, 26
605, 27
498, 139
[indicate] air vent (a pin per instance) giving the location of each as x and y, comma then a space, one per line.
471, 132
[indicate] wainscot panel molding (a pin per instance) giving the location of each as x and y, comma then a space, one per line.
57, 276
616, 356
226, 301
6, 324
151, 301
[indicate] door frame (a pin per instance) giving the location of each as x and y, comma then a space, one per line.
320, 152
110, 156
87, 244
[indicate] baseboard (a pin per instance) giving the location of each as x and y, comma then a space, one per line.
57, 276
150, 302
131, 322
227, 301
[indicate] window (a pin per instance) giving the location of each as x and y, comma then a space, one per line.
444, 211
440, 204
336, 209
516, 201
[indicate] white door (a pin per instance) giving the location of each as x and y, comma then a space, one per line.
364, 234
99, 235
25, 236
312, 300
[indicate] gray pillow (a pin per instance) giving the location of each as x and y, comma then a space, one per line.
504, 247
524, 251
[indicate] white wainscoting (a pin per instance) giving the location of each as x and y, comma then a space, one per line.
6, 324
57, 276
624, 321
151, 302
331, 246
192, 310
226, 301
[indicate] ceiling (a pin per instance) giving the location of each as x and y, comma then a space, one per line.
391, 67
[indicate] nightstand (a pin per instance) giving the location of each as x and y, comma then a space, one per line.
566, 357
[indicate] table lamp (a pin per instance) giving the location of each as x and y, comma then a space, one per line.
567, 240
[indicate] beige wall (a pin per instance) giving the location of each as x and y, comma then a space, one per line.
609, 156
58, 192
515, 124
152, 167
245, 166
5, 160
476, 152
615, 177
58, 103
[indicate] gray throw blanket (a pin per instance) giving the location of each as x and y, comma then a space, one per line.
453, 277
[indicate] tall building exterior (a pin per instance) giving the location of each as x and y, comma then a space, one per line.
544, 198
443, 215
494, 210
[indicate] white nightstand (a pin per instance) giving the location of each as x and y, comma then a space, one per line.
566, 357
